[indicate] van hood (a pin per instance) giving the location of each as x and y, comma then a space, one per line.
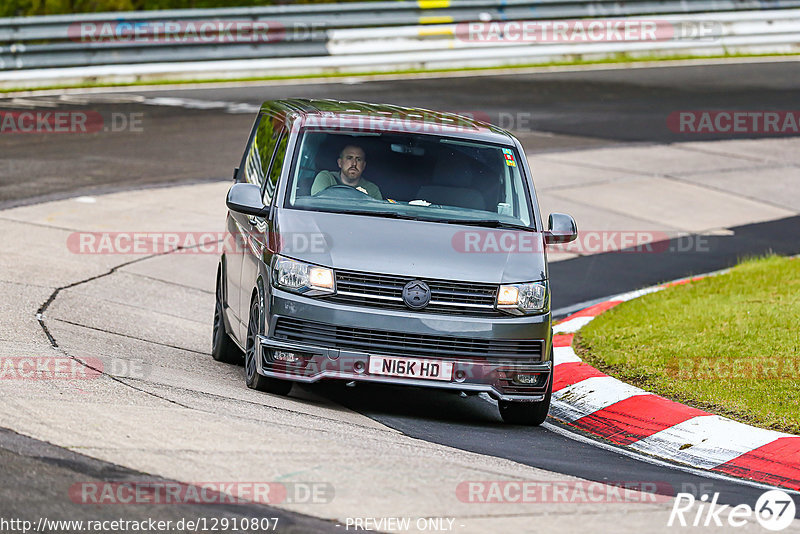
411, 248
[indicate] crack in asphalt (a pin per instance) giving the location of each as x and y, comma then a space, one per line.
43, 308
176, 284
127, 336
40, 317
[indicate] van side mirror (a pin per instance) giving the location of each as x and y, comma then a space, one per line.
562, 229
246, 198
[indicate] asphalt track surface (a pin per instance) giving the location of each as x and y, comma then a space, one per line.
560, 111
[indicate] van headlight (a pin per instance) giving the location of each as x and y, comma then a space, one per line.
304, 278
519, 299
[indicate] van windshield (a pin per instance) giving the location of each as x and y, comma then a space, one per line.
421, 177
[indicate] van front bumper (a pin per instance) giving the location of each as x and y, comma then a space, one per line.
472, 373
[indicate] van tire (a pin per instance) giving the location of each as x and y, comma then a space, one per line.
223, 349
251, 376
527, 413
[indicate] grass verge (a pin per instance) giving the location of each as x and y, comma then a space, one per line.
729, 344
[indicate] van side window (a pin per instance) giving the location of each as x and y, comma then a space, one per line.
275, 167
252, 166
262, 168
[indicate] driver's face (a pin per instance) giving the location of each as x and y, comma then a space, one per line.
352, 163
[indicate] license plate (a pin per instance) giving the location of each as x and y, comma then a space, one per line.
411, 368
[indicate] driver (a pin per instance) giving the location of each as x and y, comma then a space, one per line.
352, 162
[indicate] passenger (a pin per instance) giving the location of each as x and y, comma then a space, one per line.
352, 162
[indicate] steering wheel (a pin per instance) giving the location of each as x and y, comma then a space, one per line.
343, 191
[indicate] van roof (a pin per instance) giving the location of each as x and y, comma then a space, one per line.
393, 118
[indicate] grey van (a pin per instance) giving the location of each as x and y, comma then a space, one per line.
376, 243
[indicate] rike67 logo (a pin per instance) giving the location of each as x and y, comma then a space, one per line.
774, 510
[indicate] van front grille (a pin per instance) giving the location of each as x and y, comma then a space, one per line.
386, 291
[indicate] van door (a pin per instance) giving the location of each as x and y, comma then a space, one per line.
270, 142
235, 246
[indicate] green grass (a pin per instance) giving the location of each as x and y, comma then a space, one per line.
617, 59
729, 344
24, 8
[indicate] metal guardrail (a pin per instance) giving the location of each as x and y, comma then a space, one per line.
368, 35
319, 30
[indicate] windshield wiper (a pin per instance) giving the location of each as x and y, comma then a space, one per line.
389, 214
488, 223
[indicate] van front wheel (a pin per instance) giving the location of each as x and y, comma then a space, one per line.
526, 413
251, 376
